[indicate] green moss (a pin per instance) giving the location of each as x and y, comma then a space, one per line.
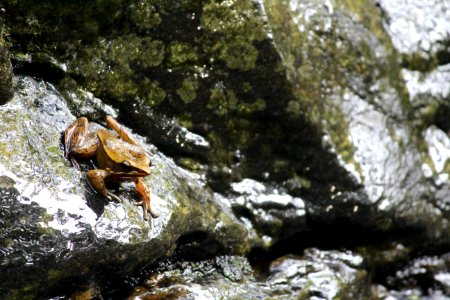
154, 93
446, 168
128, 49
44, 231
419, 62
222, 101
26, 293
118, 84
226, 103
239, 54
369, 15
247, 87
190, 164
305, 183
427, 113
6, 70
294, 108
220, 150
320, 63
7, 242
54, 275
337, 126
188, 90
152, 53
122, 50
145, 15
181, 53
366, 13
234, 26
113, 67
185, 120
247, 108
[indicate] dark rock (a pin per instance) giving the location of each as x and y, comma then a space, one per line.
310, 118
6, 70
274, 214
425, 277
52, 229
321, 274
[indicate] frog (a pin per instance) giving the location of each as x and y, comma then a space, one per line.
116, 154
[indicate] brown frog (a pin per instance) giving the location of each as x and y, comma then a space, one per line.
118, 158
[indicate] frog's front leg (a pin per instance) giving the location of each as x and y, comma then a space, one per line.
124, 135
144, 193
79, 142
97, 180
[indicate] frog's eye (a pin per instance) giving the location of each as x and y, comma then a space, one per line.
126, 166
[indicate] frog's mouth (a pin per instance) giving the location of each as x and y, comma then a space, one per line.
133, 173
129, 169
127, 176
133, 167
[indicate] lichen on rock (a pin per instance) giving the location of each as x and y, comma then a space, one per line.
6, 71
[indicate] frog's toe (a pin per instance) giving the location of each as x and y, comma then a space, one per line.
147, 209
113, 197
153, 214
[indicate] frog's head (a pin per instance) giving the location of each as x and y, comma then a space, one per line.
138, 166
131, 159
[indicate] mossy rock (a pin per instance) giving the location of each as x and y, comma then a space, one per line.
6, 71
52, 218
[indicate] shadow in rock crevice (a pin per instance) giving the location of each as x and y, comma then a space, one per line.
198, 245
442, 118
338, 236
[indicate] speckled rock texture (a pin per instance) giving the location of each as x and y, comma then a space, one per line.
306, 142
6, 70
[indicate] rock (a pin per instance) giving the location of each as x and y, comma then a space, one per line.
302, 124
423, 43
6, 70
321, 274
273, 214
425, 271
54, 225
365, 115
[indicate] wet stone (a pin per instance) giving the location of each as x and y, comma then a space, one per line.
417, 26
408, 282
322, 274
274, 214
297, 124
54, 224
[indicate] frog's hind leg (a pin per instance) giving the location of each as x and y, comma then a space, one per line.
144, 193
79, 142
97, 180
74, 132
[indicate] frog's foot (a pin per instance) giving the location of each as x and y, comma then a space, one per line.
96, 179
145, 198
112, 197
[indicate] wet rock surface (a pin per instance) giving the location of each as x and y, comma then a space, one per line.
320, 274
53, 224
273, 127
419, 31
